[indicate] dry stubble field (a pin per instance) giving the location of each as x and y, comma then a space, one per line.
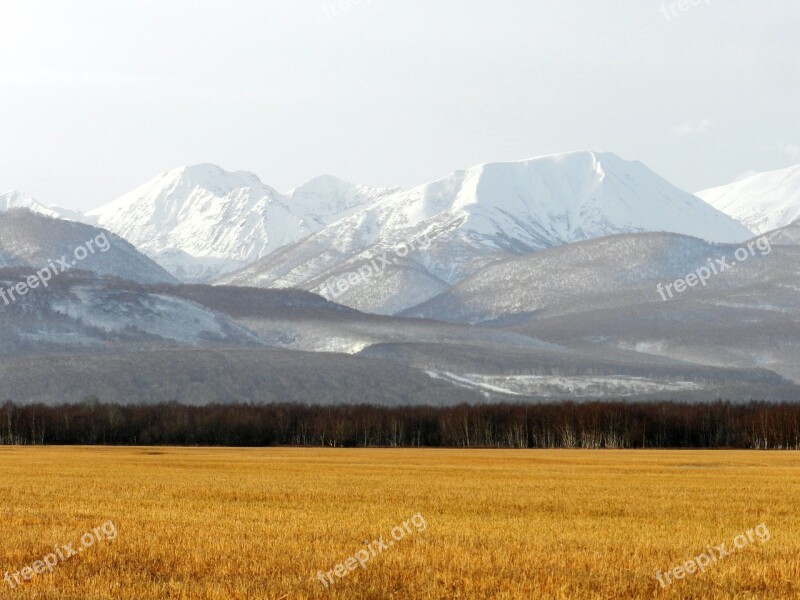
260, 523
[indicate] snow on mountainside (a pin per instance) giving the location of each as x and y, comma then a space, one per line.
80, 312
763, 202
327, 197
202, 221
488, 212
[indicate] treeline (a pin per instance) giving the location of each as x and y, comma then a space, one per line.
554, 425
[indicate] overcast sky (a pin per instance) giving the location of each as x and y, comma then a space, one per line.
98, 97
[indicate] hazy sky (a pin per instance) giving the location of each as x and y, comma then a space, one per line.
98, 97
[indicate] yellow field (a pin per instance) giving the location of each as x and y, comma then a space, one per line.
240, 523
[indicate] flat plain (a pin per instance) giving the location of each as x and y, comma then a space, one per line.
214, 523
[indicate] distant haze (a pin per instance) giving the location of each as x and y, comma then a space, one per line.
99, 97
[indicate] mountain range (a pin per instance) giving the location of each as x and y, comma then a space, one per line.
517, 280
200, 222
451, 228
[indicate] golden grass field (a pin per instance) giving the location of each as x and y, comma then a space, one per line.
260, 523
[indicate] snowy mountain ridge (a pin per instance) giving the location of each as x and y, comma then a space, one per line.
201, 221
15, 199
763, 202
485, 213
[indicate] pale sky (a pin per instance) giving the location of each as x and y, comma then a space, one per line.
97, 97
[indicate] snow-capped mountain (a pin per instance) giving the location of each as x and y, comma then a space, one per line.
16, 199
763, 202
201, 221
326, 199
456, 225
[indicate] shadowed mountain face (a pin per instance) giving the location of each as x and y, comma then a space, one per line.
232, 375
785, 236
31, 240
610, 294
614, 271
421, 241
124, 341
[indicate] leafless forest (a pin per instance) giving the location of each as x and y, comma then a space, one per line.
554, 425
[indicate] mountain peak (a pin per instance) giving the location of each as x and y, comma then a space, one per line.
332, 183
212, 177
199, 221
16, 199
488, 212
323, 183
329, 195
572, 156
14, 195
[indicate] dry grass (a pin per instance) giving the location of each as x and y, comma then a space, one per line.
239, 523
